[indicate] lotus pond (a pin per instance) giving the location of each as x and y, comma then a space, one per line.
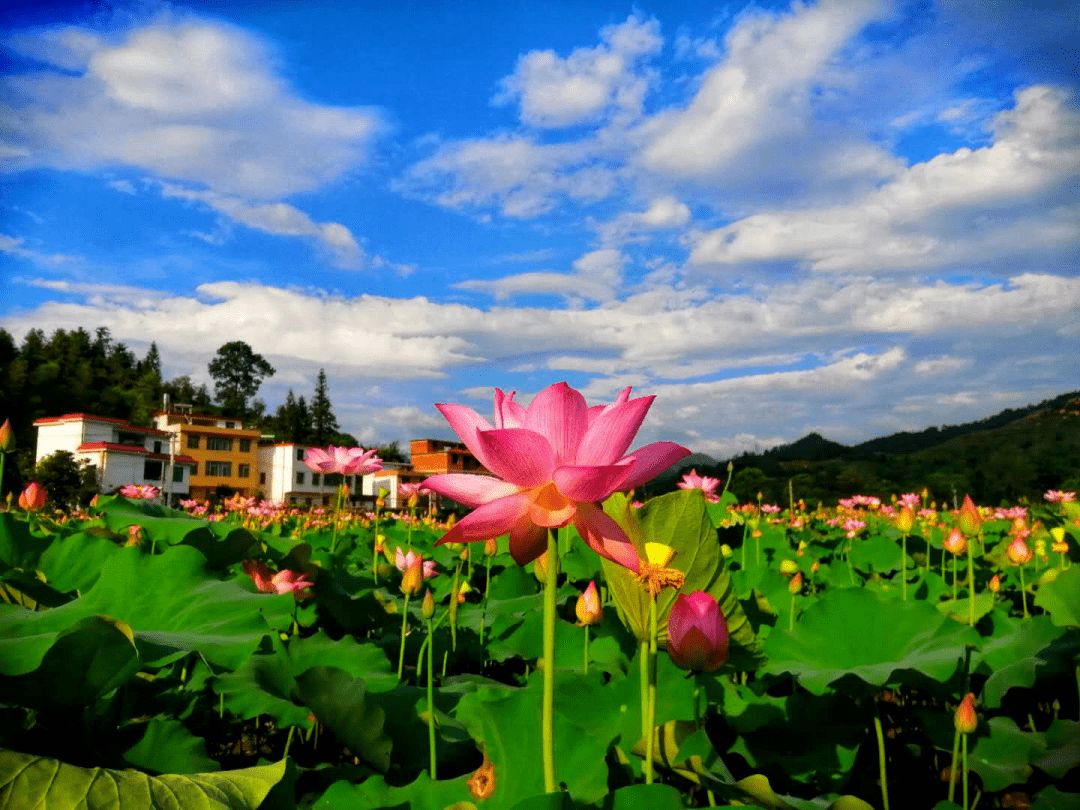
142, 667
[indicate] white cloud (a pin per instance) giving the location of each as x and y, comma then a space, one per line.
191, 101
597, 276
663, 213
16, 246
943, 365
558, 92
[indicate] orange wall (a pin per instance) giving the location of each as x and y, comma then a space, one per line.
202, 454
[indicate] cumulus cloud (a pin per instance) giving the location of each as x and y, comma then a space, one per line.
597, 276
964, 206
557, 92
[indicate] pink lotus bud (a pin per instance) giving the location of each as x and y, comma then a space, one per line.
1018, 552
955, 543
427, 609
968, 519
995, 584
905, 521
32, 498
964, 720
796, 584
697, 633
414, 576
7, 438
491, 548
588, 607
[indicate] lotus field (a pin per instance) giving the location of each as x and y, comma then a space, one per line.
554, 644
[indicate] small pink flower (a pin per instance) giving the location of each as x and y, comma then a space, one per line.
706, 484
32, 498
285, 581
1058, 496
344, 460
697, 633
144, 492
403, 562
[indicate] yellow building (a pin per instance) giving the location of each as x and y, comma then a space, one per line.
224, 450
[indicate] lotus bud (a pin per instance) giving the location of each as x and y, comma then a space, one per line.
726, 552
994, 584
1060, 547
414, 500
697, 633
135, 535
1018, 552
964, 720
955, 543
463, 589
788, 567
380, 502
413, 579
32, 498
905, 521
588, 607
814, 566
491, 548
427, 610
795, 585
464, 555
7, 437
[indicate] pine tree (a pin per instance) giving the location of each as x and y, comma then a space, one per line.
324, 425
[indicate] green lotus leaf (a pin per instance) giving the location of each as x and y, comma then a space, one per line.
1061, 598
75, 562
959, 609
27, 780
421, 794
859, 633
1063, 748
1011, 655
655, 797
1050, 798
87, 660
29, 590
172, 604
19, 546
168, 747
1005, 757
876, 553
340, 703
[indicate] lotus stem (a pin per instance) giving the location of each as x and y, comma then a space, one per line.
791, 616
643, 672
952, 766
453, 606
337, 520
954, 577
444, 656
881, 761
585, 656
964, 758
404, 629
1023, 592
483, 606
971, 586
548, 704
650, 721
375, 550
903, 565
431, 699
288, 742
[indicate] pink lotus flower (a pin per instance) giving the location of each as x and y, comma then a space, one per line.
140, 491
1057, 496
555, 462
285, 581
705, 483
32, 498
403, 562
344, 460
697, 633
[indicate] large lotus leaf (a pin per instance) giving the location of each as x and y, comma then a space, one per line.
1011, 655
75, 562
19, 547
1063, 748
655, 797
1005, 757
1061, 598
506, 725
856, 632
361, 660
1050, 798
340, 703
678, 520
163, 525
170, 601
960, 609
227, 545
878, 553
27, 780
29, 590
168, 747
89, 659
422, 794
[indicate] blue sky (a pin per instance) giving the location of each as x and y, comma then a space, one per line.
853, 217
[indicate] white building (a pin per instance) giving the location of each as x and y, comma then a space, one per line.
123, 453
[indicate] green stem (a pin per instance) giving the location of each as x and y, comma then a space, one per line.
375, 550
971, 585
454, 606
1023, 592
585, 654
791, 616
288, 741
337, 519
954, 577
650, 722
903, 565
431, 700
963, 747
3, 456
643, 672
548, 705
952, 766
881, 762
483, 606
404, 628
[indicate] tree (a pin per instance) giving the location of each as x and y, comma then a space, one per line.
324, 425
238, 372
68, 483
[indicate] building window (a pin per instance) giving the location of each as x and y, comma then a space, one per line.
195, 468
262, 478
333, 479
243, 470
230, 425
193, 441
315, 479
245, 445
222, 469
151, 470
299, 453
178, 474
218, 443
299, 478
157, 447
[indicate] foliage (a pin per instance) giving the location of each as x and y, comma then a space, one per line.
67, 482
237, 372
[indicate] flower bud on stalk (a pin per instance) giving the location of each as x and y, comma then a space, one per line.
795, 585
697, 633
427, 609
1018, 552
414, 576
905, 521
588, 607
964, 720
995, 584
955, 543
7, 437
968, 519
32, 498
491, 548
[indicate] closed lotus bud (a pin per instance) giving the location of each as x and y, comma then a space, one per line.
414, 500
1018, 552
968, 519
788, 567
427, 610
380, 502
32, 498
964, 720
588, 607
135, 533
413, 579
726, 552
491, 548
464, 555
697, 633
814, 566
995, 584
796, 584
905, 521
1060, 547
955, 543
7, 437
